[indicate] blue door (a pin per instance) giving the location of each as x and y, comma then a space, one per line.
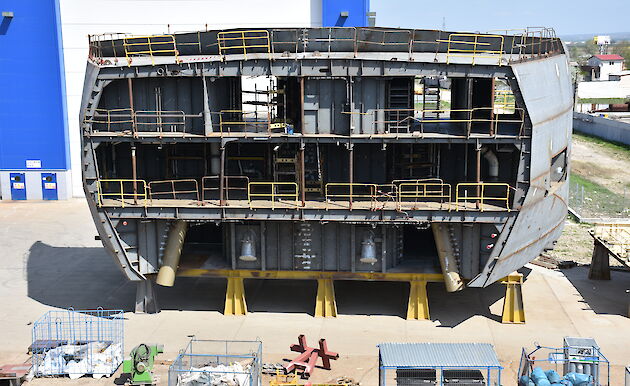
18, 186
49, 186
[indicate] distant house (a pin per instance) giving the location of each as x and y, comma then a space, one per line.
601, 66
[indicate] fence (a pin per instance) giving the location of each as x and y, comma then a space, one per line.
77, 343
220, 361
595, 202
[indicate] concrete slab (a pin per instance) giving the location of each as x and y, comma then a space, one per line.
50, 260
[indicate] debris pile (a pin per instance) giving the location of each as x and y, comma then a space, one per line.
234, 374
100, 359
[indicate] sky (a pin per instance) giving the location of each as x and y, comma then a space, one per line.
566, 17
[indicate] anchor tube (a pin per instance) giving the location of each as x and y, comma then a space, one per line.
172, 253
452, 280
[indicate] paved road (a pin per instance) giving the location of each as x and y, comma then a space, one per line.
50, 260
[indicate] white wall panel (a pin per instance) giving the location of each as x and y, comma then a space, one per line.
82, 17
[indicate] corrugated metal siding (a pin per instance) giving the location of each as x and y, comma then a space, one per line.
438, 355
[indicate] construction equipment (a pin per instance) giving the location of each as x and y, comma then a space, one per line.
139, 365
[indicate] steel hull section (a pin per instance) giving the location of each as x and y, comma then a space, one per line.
547, 92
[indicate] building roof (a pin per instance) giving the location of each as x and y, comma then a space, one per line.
438, 355
612, 57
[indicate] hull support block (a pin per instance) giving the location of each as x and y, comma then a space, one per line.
325, 304
513, 308
235, 297
418, 307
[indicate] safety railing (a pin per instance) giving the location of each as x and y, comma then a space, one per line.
616, 236
504, 102
172, 121
111, 119
385, 38
174, 189
398, 195
336, 192
273, 192
151, 46
475, 46
536, 42
244, 40
495, 48
240, 120
234, 187
140, 121
479, 120
125, 191
97, 43
424, 190
481, 193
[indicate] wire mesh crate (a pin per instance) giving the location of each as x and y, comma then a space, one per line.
209, 362
77, 343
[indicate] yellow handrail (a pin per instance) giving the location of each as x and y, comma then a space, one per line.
504, 100
273, 194
244, 114
461, 194
224, 37
132, 43
424, 190
475, 48
134, 195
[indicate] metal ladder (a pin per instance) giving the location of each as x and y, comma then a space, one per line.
285, 167
430, 98
313, 180
399, 97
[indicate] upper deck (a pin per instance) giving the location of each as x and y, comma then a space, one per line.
318, 59
366, 43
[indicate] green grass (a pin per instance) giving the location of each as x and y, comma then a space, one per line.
593, 200
618, 147
602, 101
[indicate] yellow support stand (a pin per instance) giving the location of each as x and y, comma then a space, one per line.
325, 304
513, 308
235, 297
418, 307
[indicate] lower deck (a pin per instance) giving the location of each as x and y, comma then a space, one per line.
312, 204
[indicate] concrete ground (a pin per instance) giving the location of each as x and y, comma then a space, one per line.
50, 260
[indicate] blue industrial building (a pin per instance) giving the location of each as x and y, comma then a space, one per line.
34, 145
34, 134
345, 13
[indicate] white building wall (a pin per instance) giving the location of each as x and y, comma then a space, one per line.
607, 68
79, 18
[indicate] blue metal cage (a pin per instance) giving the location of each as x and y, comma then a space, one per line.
233, 361
77, 343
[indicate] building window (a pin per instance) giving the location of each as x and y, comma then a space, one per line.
611, 63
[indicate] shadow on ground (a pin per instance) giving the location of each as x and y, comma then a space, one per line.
601, 296
87, 278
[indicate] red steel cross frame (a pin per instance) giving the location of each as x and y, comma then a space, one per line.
308, 357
